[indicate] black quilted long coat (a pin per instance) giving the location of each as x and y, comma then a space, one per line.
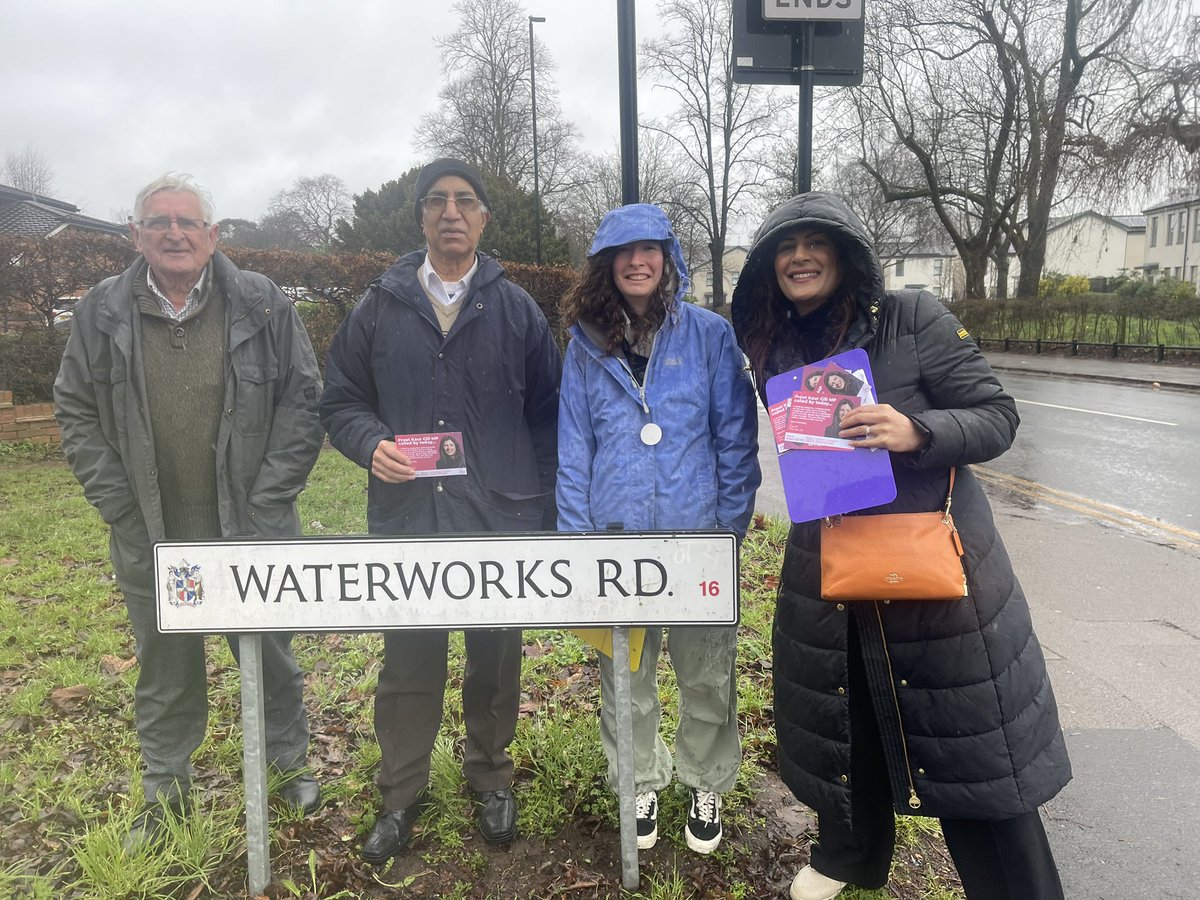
968, 719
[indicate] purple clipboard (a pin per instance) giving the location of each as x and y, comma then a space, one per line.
825, 482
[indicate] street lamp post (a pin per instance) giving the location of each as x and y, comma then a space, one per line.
537, 202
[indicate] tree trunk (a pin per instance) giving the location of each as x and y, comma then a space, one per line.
975, 266
717, 250
1001, 275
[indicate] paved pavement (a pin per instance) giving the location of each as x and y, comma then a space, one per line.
1116, 616
1169, 377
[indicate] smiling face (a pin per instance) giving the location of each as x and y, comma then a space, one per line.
453, 233
808, 268
176, 257
637, 270
449, 448
835, 381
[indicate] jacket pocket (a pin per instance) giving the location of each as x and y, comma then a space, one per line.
515, 512
132, 553
254, 396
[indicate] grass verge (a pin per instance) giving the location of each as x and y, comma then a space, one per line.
69, 757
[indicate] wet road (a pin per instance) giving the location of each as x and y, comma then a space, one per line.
1121, 445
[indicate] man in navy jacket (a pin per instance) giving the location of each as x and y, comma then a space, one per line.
444, 342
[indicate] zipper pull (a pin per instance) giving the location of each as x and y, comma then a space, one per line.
914, 802
957, 540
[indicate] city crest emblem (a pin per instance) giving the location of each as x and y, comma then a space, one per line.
184, 586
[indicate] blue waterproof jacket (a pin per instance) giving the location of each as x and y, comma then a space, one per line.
704, 471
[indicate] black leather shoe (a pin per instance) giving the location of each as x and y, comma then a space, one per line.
392, 830
497, 815
301, 791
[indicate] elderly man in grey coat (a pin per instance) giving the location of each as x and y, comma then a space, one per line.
188, 403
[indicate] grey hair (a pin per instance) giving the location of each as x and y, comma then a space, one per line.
175, 181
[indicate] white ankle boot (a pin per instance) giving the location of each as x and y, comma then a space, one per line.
812, 885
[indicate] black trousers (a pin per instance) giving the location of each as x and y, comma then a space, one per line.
1004, 860
408, 709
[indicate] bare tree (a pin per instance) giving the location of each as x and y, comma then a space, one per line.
937, 88
597, 188
314, 206
28, 170
896, 228
1160, 140
1056, 103
719, 128
1003, 103
484, 113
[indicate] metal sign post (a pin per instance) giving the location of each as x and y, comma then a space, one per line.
801, 42
626, 784
603, 579
254, 762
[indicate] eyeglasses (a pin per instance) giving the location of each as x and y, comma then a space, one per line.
466, 203
163, 223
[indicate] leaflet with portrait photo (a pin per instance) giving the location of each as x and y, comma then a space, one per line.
809, 403
435, 454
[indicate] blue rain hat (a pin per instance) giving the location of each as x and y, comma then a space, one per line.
641, 222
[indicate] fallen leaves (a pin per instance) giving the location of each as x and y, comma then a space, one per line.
70, 699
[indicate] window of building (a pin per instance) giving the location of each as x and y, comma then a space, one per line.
1196, 227
1195, 271
899, 268
1154, 232
1170, 229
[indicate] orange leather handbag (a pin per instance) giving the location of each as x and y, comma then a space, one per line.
904, 556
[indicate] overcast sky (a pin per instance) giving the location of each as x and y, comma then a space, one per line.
249, 95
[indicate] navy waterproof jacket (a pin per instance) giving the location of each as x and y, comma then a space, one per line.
494, 378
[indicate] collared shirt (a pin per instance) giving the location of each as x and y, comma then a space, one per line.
446, 292
193, 297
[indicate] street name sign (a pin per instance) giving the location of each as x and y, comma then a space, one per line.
555, 580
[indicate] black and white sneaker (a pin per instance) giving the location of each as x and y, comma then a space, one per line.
646, 810
703, 829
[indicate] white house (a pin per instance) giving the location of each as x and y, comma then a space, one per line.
701, 274
1173, 240
1090, 244
930, 268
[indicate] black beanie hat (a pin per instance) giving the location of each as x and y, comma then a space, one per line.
447, 166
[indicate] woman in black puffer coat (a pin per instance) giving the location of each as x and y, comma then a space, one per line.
938, 709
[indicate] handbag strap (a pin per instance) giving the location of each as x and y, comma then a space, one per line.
950, 492
831, 521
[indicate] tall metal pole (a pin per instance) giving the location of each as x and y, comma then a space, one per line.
537, 201
804, 144
627, 72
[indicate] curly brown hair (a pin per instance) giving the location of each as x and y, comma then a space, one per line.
594, 298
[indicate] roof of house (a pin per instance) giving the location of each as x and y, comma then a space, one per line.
1169, 204
22, 212
1129, 223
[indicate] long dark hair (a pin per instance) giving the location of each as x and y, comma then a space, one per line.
594, 298
771, 312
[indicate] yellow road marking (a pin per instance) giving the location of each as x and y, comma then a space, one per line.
1093, 508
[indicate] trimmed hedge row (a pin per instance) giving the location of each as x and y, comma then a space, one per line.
325, 287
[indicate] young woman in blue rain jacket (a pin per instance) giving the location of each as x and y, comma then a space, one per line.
658, 431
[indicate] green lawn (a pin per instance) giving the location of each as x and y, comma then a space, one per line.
68, 752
